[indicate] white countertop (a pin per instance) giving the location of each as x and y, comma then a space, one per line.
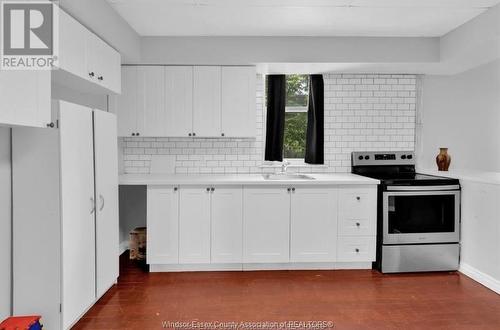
468, 175
243, 179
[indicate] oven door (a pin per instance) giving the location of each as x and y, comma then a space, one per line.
414, 215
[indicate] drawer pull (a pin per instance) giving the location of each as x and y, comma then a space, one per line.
358, 224
358, 198
357, 250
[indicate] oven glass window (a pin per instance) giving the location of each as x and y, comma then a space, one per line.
421, 214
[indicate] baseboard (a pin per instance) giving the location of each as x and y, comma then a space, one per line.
480, 277
123, 247
260, 267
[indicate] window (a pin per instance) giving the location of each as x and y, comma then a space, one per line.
294, 145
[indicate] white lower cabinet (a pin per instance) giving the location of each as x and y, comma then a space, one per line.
357, 225
275, 224
163, 225
194, 225
313, 224
266, 225
356, 249
227, 225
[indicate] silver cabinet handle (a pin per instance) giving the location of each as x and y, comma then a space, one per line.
92, 205
102, 202
293, 189
288, 189
175, 188
212, 189
208, 189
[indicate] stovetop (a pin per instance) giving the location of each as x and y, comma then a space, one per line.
395, 168
412, 179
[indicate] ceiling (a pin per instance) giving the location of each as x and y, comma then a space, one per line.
403, 18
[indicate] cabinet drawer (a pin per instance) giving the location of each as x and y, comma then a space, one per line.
356, 226
356, 249
357, 202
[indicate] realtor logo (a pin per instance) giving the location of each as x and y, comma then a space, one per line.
28, 35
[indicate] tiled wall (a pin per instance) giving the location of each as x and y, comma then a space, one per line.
362, 112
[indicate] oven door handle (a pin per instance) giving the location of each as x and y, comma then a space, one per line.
423, 188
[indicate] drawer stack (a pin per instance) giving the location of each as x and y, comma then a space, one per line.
357, 225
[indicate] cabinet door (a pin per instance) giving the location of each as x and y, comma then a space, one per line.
227, 224
151, 103
179, 100
194, 222
127, 109
163, 225
106, 188
238, 101
313, 224
25, 98
109, 68
266, 225
207, 101
103, 63
77, 211
72, 45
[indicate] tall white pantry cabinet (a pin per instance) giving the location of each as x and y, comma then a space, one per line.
65, 210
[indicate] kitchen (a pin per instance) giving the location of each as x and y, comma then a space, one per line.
259, 157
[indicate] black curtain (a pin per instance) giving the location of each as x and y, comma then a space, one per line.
315, 121
275, 127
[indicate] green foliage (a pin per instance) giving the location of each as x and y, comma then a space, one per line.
297, 90
294, 145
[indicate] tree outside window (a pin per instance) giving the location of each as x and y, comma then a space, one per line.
294, 145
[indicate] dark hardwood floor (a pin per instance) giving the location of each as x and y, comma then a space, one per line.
354, 299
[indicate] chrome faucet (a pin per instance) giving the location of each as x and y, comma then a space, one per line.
284, 166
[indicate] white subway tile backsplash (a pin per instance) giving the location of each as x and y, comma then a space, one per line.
362, 112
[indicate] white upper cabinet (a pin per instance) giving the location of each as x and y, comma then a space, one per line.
72, 45
207, 101
151, 113
238, 101
25, 98
126, 106
178, 100
186, 101
86, 62
103, 64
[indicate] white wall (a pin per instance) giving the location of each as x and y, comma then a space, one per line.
253, 50
462, 112
5, 223
93, 101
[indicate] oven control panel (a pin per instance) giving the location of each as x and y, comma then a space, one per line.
369, 158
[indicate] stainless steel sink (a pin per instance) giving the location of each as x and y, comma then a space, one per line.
287, 176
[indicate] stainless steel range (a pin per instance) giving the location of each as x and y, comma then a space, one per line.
418, 215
